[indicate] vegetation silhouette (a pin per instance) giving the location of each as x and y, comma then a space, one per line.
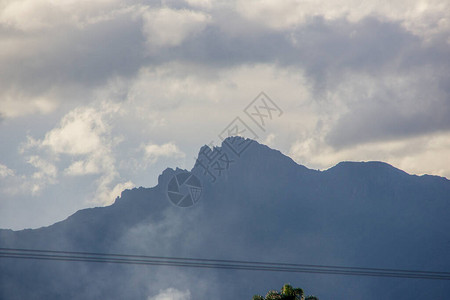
287, 292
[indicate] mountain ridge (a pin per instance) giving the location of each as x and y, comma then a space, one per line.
168, 173
264, 206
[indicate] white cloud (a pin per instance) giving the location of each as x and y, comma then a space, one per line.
416, 155
167, 87
107, 195
38, 15
42, 174
421, 17
169, 150
5, 171
46, 174
28, 15
80, 132
172, 294
177, 100
207, 4
15, 104
83, 136
269, 140
169, 27
45, 168
84, 167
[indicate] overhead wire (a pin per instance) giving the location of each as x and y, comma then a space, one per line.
132, 259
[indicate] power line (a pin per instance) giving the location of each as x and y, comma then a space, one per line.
212, 260
92, 257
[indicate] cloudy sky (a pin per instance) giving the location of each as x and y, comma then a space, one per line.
99, 96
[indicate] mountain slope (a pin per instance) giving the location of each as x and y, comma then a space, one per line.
263, 206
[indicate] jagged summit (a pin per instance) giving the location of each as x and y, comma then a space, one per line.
237, 147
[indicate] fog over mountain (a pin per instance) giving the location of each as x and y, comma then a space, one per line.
256, 204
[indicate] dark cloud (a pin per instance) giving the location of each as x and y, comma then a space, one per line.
383, 120
323, 48
319, 46
327, 51
85, 57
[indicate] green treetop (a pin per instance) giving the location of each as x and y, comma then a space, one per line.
287, 293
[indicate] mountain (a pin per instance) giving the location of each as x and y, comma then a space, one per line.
255, 204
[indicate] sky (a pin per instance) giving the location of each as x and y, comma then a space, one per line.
102, 95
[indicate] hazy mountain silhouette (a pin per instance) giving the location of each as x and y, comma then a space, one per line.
263, 206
